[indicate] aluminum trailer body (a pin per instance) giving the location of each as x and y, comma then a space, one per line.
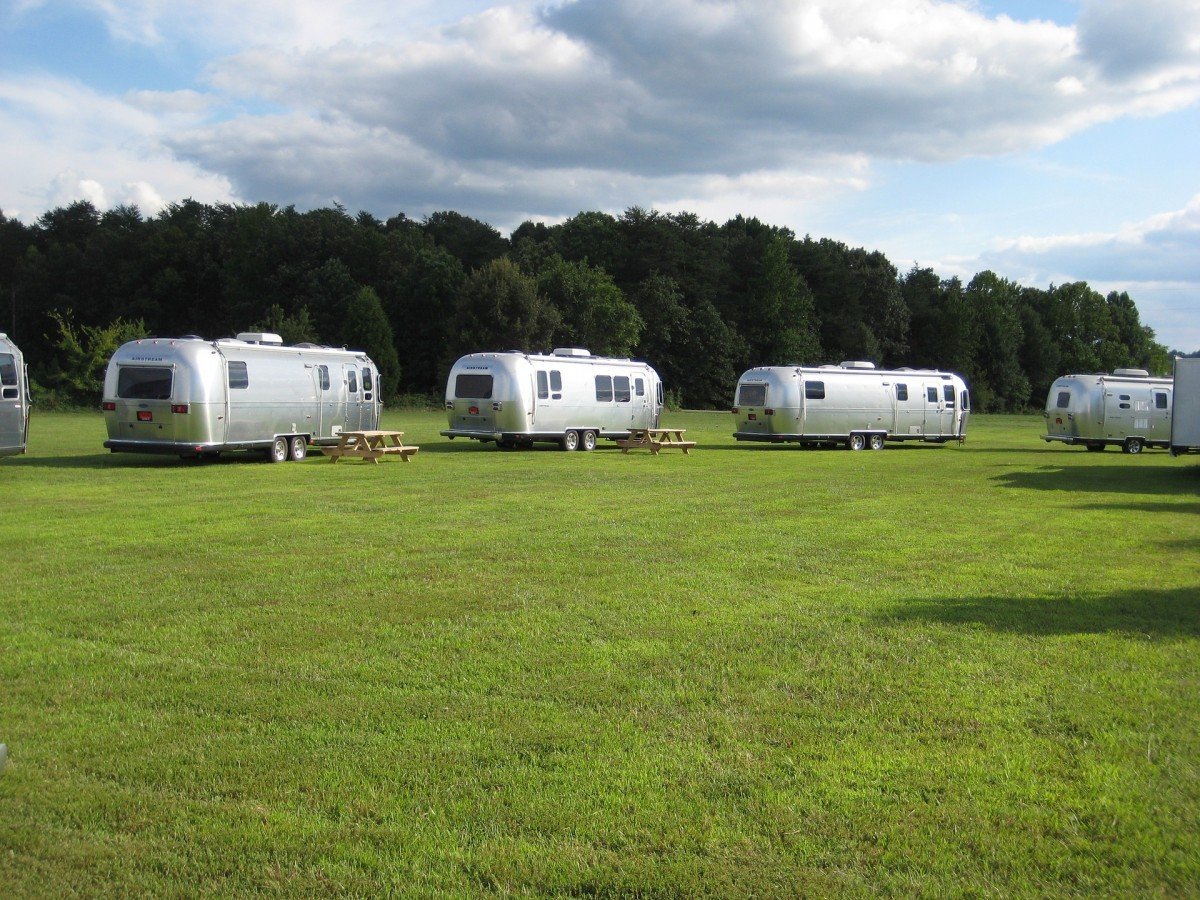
201, 398
14, 398
1185, 410
568, 397
853, 404
1127, 409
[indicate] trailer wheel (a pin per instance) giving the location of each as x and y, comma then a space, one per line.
278, 450
570, 440
1095, 448
589, 441
856, 441
298, 448
876, 442
1132, 445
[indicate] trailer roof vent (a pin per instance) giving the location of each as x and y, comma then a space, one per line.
261, 337
1132, 373
857, 364
571, 351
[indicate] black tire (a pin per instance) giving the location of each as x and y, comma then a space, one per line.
570, 440
297, 448
875, 442
1096, 448
856, 441
1132, 446
588, 442
278, 451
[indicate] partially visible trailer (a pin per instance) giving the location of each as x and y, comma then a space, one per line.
1185, 411
568, 397
1129, 409
853, 404
251, 393
14, 398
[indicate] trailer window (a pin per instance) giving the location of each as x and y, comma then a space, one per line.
902, 392
639, 387
752, 395
352, 380
366, 380
556, 381
621, 388
239, 378
948, 394
323, 377
543, 386
658, 393
966, 400
814, 390
931, 394
604, 388
144, 383
473, 387
1160, 400
1064, 400
8, 368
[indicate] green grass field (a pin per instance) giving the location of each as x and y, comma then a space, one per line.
749, 671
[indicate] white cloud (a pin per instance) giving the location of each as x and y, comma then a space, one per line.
64, 142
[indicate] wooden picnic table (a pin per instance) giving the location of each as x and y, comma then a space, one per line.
370, 445
655, 439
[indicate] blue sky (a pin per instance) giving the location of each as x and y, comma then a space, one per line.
1048, 141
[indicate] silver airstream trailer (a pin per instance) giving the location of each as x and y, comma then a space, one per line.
1128, 409
1185, 408
568, 397
200, 398
14, 398
852, 403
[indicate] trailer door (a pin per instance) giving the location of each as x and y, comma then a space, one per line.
937, 417
353, 398
1160, 415
12, 408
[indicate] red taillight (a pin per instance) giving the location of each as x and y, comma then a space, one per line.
474, 410
768, 412
752, 417
734, 410
1058, 421
108, 406
179, 407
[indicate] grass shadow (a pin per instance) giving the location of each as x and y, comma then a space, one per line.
1131, 479
1156, 614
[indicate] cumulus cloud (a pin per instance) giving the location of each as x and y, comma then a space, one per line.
638, 91
65, 142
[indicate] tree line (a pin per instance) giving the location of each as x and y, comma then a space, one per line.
701, 302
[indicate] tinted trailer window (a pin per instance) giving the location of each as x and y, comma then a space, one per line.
473, 387
144, 383
752, 395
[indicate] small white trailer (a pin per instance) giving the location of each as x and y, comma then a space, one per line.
568, 397
1185, 411
1127, 409
199, 398
14, 398
852, 403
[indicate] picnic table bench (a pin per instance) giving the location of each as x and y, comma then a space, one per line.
370, 445
655, 439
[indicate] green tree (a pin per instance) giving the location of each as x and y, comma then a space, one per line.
499, 308
294, 329
366, 327
83, 355
595, 313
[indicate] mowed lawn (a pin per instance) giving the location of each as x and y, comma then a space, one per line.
749, 671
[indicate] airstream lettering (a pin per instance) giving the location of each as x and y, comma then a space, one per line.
201, 398
853, 404
14, 398
1128, 409
568, 397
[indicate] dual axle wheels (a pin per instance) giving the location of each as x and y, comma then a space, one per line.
860, 441
283, 448
579, 440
